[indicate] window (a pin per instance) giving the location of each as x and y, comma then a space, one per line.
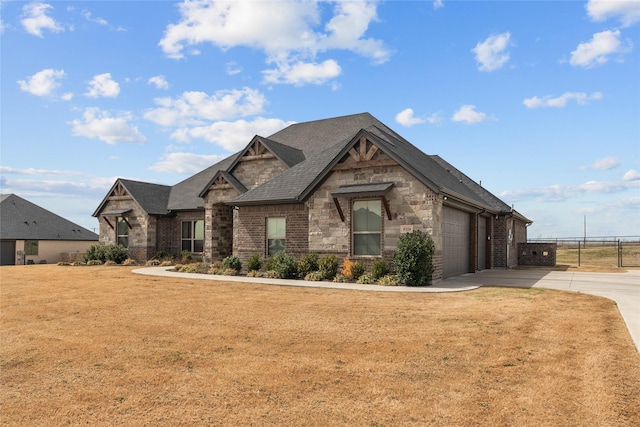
123, 232
276, 234
193, 236
31, 247
367, 227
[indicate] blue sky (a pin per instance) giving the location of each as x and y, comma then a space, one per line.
538, 101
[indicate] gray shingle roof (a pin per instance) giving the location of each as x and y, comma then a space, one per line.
153, 198
310, 150
22, 220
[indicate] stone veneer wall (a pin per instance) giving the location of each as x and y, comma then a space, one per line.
411, 203
252, 173
537, 254
139, 245
218, 225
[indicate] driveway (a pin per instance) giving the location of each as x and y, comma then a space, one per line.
623, 288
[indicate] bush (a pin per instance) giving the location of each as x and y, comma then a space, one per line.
94, 262
307, 264
341, 278
185, 257
366, 279
285, 266
95, 253
389, 280
162, 255
152, 262
254, 273
232, 262
379, 269
413, 260
352, 270
116, 253
230, 272
328, 266
130, 261
313, 276
254, 263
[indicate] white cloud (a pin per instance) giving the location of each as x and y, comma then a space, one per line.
232, 135
290, 38
437, 4
198, 107
35, 19
185, 163
598, 50
468, 115
492, 53
560, 192
606, 163
631, 175
33, 171
99, 21
581, 98
159, 82
42, 83
628, 11
406, 118
98, 124
302, 73
102, 85
233, 68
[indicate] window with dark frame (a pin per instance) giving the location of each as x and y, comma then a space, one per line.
122, 232
276, 235
367, 227
193, 236
31, 247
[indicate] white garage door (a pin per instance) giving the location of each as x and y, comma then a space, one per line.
455, 245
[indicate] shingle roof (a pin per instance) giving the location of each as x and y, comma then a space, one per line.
22, 220
310, 150
153, 198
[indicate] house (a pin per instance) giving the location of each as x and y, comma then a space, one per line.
30, 234
348, 186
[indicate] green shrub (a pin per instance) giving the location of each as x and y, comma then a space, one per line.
314, 276
232, 262
328, 266
116, 253
341, 278
95, 252
254, 263
365, 279
285, 266
185, 257
413, 260
357, 270
379, 269
389, 280
307, 264
162, 254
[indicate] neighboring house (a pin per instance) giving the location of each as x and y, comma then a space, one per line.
30, 234
348, 186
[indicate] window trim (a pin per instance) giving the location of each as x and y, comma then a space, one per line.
379, 233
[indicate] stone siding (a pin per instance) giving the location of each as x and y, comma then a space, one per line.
252, 173
139, 222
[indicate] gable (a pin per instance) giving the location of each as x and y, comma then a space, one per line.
362, 154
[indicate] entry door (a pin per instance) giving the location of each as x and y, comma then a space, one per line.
455, 242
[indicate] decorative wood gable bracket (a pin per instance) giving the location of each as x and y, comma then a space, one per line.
220, 183
256, 150
119, 193
364, 154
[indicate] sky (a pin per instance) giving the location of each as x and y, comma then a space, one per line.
538, 101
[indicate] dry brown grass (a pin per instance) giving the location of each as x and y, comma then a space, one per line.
100, 345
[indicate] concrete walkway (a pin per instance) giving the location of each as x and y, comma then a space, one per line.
623, 288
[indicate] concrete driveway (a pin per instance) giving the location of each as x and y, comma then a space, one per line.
623, 288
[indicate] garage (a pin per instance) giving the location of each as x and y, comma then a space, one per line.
455, 242
7, 252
